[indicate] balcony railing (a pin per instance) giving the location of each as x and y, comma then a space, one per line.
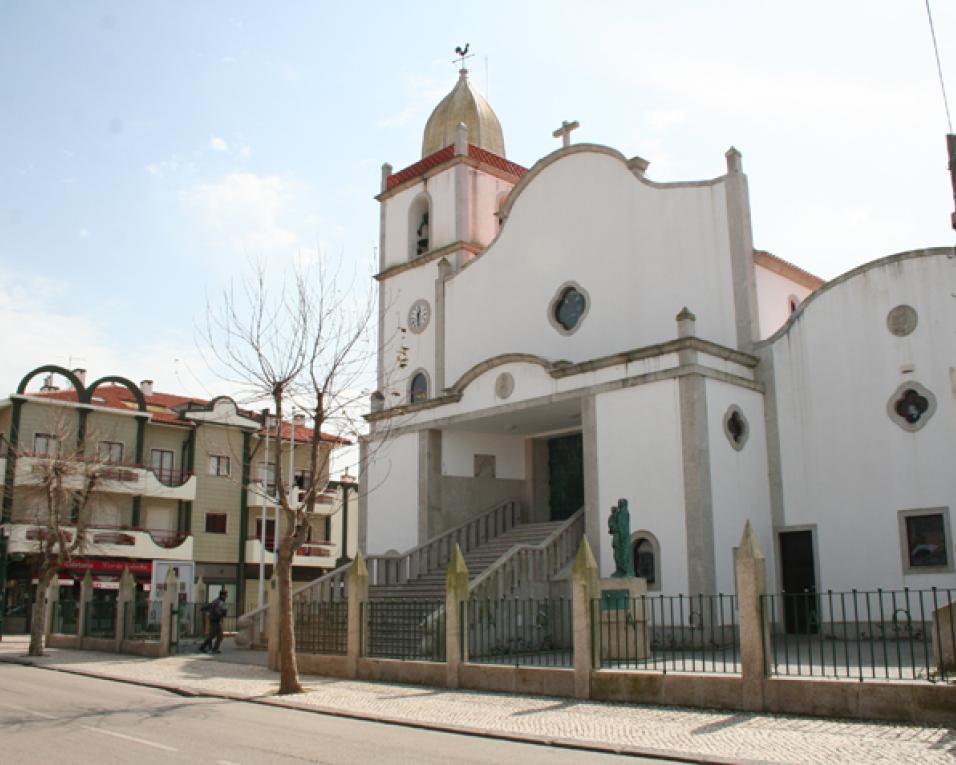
123, 541
117, 477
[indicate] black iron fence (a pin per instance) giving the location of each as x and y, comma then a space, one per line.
518, 631
66, 617
101, 619
397, 628
321, 627
142, 619
861, 635
666, 633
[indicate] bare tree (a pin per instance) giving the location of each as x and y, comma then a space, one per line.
64, 481
305, 345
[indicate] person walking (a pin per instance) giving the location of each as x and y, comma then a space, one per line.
215, 610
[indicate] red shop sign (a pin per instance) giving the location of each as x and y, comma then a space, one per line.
95, 564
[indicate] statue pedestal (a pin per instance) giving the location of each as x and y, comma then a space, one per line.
623, 622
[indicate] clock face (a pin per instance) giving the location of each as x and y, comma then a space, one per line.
418, 316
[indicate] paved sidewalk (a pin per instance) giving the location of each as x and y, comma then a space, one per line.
705, 736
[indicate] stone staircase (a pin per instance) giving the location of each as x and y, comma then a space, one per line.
431, 584
407, 620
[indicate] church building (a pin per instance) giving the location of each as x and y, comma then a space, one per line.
575, 333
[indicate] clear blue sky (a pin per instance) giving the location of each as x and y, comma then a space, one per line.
149, 151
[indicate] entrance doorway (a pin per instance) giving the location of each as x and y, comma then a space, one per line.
800, 605
566, 475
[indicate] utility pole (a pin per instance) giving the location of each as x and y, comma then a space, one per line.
951, 148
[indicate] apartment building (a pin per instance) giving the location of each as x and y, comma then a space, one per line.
184, 482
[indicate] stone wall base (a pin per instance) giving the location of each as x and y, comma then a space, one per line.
147, 648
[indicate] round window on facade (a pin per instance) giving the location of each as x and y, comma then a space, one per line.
736, 427
568, 308
911, 406
418, 390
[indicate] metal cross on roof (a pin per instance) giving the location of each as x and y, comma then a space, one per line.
564, 132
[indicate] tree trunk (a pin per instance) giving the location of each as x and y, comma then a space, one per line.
38, 619
288, 668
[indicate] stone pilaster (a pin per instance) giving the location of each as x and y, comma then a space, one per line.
456, 594
750, 566
584, 588
169, 626
357, 592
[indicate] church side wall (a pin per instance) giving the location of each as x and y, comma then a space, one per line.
847, 468
640, 253
773, 299
738, 479
459, 449
639, 459
393, 495
486, 191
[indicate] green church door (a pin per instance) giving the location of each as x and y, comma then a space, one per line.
566, 475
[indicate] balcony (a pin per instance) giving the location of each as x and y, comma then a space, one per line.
312, 554
112, 542
258, 495
116, 479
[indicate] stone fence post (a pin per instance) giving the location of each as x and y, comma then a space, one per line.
584, 588
124, 603
751, 569
357, 583
52, 598
169, 626
86, 595
456, 593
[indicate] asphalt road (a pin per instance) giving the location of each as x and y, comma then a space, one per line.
51, 717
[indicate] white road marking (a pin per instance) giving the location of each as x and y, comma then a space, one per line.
106, 732
29, 711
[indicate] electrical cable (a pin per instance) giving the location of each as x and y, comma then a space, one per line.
939, 66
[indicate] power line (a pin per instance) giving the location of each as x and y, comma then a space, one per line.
939, 67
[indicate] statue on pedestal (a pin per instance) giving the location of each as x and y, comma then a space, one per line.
619, 527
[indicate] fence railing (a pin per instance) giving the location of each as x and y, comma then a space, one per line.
142, 619
398, 628
101, 619
666, 633
518, 631
860, 634
66, 617
527, 564
321, 628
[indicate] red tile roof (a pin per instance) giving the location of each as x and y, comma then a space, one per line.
444, 155
161, 408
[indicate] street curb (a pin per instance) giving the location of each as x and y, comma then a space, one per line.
461, 730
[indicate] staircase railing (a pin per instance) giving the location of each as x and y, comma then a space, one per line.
525, 565
395, 569
328, 588
436, 552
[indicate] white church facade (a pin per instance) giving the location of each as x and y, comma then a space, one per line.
575, 333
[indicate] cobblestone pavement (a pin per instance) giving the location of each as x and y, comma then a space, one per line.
723, 736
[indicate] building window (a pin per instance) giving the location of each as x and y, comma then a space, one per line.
267, 476
568, 308
215, 523
418, 390
646, 555
736, 427
926, 541
162, 462
911, 406
418, 225
218, 465
110, 452
303, 480
46, 445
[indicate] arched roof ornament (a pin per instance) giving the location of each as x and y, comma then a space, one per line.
52, 369
87, 396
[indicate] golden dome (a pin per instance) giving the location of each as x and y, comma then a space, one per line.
463, 104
